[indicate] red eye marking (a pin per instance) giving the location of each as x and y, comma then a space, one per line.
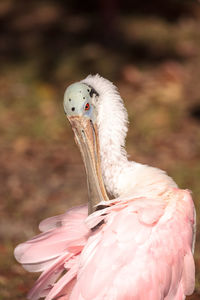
87, 106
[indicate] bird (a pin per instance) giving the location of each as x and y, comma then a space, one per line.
134, 240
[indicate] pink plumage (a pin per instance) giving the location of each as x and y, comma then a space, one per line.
132, 255
138, 246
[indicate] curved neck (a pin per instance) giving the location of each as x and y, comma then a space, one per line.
112, 122
113, 161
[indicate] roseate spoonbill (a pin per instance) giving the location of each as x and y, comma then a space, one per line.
138, 245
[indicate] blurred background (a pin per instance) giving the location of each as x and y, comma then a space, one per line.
149, 49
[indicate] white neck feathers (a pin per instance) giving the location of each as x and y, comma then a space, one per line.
112, 116
112, 122
120, 176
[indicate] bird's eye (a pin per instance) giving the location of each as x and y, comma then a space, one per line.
87, 106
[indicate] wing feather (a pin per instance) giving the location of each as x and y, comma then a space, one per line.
136, 255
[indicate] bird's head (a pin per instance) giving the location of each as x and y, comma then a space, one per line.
80, 100
80, 105
99, 121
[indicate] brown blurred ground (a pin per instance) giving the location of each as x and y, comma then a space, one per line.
151, 52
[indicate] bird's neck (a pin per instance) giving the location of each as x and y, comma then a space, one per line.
123, 178
113, 161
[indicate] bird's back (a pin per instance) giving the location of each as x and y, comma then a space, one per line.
143, 250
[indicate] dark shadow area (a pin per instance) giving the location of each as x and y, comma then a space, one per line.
47, 31
195, 112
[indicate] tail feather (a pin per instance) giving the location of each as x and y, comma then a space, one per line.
48, 277
62, 283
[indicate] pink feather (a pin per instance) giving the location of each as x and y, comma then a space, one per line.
141, 251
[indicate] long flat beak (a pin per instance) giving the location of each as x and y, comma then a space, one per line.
86, 137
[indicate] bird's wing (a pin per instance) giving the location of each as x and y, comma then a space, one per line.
68, 218
143, 251
60, 235
53, 251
